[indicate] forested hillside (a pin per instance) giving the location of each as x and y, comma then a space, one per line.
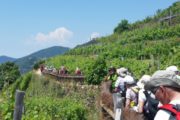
4, 59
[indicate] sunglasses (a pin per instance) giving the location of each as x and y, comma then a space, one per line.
154, 90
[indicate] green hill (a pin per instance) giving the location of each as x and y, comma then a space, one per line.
26, 63
4, 59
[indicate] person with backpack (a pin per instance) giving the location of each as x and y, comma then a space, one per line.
166, 87
147, 104
131, 94
120, 83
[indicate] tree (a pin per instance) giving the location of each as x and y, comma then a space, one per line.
97, 72
38, 64
9, 72
122, 26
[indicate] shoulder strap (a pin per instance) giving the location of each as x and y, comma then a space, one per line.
170, 108
146, 94
135, 89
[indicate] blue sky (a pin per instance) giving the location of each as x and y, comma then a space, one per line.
27, 26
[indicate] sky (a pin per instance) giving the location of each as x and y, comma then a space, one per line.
27, 26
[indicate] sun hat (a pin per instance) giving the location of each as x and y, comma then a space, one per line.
122, 72
129, 80
143, 80
163, 78
172, 68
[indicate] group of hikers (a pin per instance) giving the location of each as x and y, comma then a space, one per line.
62, 71
156, 96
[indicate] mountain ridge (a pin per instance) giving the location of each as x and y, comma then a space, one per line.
26, 63
5, 58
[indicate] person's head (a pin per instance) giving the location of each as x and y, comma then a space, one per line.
122, 72
164, 85
173, 69
112, 70
129, 81
143, 80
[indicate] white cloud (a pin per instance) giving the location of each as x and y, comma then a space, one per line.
94, 35
59, 34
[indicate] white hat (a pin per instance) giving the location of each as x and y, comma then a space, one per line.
129, 80
144, 79
122, 72
172, 68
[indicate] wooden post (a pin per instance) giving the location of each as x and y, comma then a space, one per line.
18, 105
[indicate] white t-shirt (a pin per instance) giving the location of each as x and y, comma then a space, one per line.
130, 94
163, 114
142, 96
120, 83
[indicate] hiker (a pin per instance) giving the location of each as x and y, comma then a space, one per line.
63, 71
42, 67
141, 95
147, 104
166, 87
78, 71
120, 83
131, 94
174, 69
54, 71
112, 76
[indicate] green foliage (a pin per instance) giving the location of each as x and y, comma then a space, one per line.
51, 101
54, 109
7, 109
9, 72
25, 81
21, 83
38, 63
97, 72
122, 26
46, 109
71, 62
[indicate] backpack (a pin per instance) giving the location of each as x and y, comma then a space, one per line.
174, 109
135, 89
151, 106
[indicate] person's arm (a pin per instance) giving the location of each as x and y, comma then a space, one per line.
128, 99
141, 101
127, 103
140, 106
116, 85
